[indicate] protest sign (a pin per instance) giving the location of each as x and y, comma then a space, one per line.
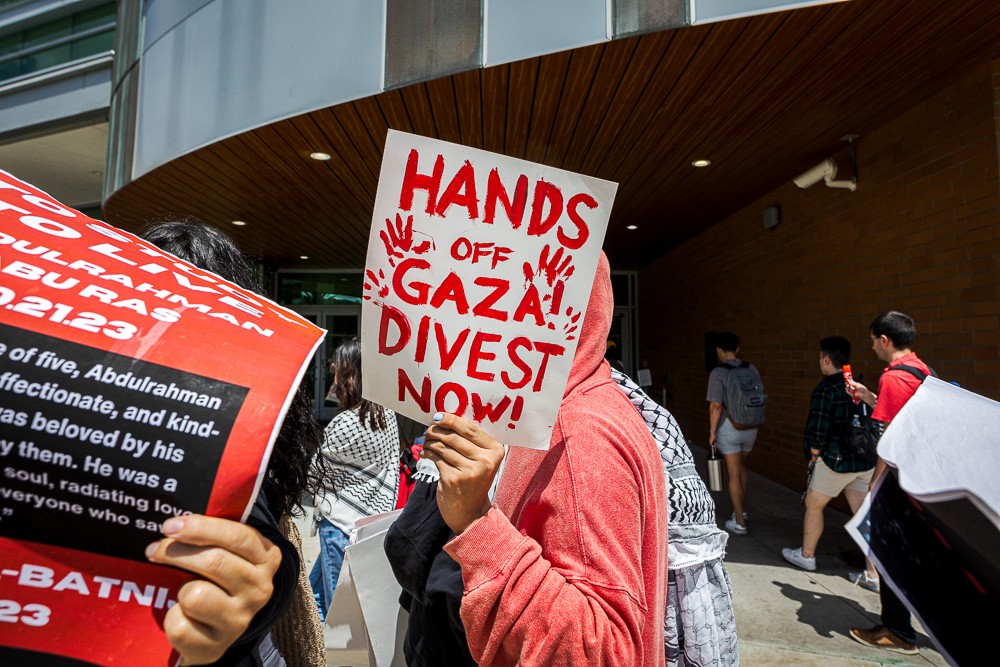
133, 387
478, 274
365, 624
931, 524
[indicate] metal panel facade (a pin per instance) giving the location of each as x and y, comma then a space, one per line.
426, 40
706, 11
519, 29
233, 65
210, 69
161, 17
638, 16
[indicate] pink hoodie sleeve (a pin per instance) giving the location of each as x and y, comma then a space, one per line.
584, 605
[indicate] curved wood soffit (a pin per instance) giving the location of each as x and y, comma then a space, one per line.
763, 98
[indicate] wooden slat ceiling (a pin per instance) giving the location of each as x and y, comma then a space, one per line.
763, 98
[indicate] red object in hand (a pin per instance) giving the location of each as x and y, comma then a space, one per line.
848, 379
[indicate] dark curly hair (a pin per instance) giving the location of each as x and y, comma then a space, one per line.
289, 472
346, 369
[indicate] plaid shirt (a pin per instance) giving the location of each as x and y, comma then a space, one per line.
828, 424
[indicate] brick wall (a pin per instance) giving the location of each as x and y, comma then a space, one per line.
920, 236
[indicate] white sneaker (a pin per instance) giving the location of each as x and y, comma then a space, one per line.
795, 557
733, 527
862, 579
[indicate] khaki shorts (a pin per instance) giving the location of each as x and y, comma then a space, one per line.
831, 483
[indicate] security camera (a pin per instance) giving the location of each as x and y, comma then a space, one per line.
825, 171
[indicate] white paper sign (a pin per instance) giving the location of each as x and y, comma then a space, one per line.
935, 514
479, 271
946, 444
365, 624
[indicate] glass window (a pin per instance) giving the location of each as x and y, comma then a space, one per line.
93, 18
621, 284
47, 32
320, 289
88, 46
92, 212
10, 43
47, 58
51, 44
10, 69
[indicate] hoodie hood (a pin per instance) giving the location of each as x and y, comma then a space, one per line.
589, 357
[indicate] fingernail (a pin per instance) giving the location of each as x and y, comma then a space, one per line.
173, 526
151, 550
438, 416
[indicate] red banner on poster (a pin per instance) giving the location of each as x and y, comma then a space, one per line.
133, 387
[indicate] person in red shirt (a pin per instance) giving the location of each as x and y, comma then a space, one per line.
891, 334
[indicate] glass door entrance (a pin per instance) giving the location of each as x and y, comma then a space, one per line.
340, 322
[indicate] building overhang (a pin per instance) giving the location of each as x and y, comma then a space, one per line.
762, 98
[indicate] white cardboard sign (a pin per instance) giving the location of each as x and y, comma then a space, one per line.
365, 624
935, 515
478, 273
946, 444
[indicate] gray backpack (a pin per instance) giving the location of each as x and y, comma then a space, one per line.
745, 400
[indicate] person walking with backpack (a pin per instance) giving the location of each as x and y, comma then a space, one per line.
736, 403
841, 453
891, 335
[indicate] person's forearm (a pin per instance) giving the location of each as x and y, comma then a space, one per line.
811, 448
714, 415
817, 436
508, 580
865, 394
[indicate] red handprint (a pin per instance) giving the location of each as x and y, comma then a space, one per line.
572, 323
556, 269
398, 239
377, 284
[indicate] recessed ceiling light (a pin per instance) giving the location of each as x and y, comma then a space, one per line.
239, 223
319, 156
632, 227
701, 163
303, 256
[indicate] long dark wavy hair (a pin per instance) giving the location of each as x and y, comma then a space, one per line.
289, 472
346, 369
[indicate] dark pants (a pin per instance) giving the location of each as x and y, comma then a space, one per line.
895, 615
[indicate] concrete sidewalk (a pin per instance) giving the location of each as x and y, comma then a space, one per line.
786, 616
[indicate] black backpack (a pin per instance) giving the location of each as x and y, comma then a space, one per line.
864, 432
745, 399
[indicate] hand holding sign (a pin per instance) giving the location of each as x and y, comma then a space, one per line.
238, 565
468, 459
135, 386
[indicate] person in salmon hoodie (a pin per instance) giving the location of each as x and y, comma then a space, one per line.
568, 564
